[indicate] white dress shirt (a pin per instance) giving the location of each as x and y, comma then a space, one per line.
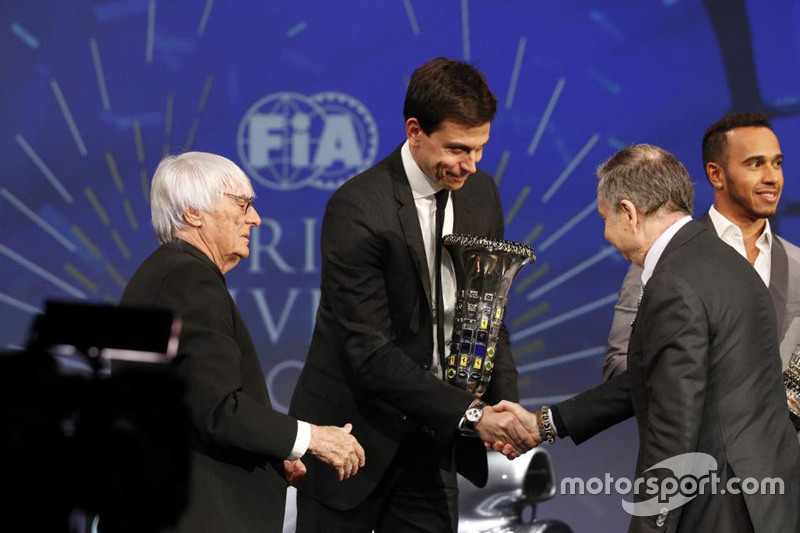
423, 190
732, 235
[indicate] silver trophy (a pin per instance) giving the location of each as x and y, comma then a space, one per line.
484, 270
791, 380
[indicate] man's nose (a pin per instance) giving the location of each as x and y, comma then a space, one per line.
771, 174
469, 163
253, 217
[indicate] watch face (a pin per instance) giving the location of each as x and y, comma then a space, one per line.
474, 414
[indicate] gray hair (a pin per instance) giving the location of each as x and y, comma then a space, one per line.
649, 177
193, 181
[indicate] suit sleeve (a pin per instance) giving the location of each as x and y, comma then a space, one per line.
503, 385
616, 360
353, 282
209, 358
587, 414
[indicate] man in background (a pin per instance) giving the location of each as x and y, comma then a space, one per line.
743, 163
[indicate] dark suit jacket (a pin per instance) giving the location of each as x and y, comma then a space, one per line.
373, 342
703, 375
784, 287
239, 442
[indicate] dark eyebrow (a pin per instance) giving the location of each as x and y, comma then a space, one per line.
762, 158
457, 146
462, 146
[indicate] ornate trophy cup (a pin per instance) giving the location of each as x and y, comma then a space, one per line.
484, 270
791, 380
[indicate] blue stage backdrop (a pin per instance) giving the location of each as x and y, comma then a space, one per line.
305, 94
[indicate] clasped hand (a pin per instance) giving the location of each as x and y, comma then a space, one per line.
508, 428
334, 446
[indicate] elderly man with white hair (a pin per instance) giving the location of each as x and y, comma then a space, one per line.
243, 452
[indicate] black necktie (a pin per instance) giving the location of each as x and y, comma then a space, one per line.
441, 203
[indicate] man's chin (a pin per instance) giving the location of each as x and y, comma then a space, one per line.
453, 184
764, 213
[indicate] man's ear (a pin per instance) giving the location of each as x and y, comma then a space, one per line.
193, 218
628, 210
413, 131
715, 174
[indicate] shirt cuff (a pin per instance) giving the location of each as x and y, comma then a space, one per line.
559, 428
301, 441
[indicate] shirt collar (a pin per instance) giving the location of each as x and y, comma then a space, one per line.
658, 247
421, 185
724, 227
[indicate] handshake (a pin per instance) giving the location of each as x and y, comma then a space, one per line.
508, 428
334, 446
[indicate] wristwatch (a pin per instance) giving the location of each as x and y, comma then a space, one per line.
473, 415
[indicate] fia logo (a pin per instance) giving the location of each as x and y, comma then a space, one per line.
288, 140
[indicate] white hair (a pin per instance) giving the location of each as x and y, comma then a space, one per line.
193, 181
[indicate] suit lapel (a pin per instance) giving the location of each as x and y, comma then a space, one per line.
409, 222
462, 211
779, 280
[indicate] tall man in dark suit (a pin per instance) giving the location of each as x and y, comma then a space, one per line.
376, 355
202, 209
703, 365
743, 163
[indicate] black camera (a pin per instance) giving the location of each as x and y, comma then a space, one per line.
95, 427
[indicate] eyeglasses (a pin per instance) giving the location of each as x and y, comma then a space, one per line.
244, 201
